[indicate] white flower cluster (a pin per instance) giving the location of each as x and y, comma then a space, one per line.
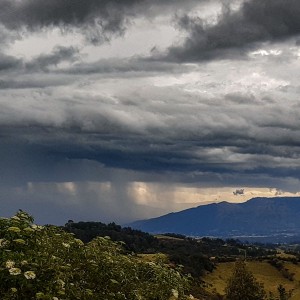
15, 271
61, 283
29, 275
10, 265
37, 227
3, 243
175, 293
66, 245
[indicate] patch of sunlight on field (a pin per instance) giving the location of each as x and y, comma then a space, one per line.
263, 272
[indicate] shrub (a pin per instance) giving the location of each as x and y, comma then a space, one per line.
45, 262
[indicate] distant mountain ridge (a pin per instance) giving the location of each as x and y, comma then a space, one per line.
258, 216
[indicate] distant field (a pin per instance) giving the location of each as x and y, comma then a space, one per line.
263, 272
166, 237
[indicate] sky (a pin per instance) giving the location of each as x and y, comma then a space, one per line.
119, 110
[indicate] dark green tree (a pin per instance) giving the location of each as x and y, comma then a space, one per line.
243, 286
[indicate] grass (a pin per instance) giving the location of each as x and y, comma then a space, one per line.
263, 272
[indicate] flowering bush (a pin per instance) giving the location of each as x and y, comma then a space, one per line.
44, 262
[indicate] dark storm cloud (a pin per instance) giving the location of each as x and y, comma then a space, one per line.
238, 31
115, 144
49, 155
156, 129
98, 19
33, 13
106, 16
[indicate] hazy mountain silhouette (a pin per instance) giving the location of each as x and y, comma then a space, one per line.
258, 216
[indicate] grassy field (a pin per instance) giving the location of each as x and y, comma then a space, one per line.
263, 272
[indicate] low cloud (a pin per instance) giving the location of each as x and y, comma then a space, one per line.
58, 55
8, 63
239, 192
133, 67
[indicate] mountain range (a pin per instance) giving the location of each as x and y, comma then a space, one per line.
258, 217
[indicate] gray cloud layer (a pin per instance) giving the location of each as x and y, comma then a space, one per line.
157, 129
237, 31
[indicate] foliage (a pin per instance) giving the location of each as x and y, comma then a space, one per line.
45, 262
243, 286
